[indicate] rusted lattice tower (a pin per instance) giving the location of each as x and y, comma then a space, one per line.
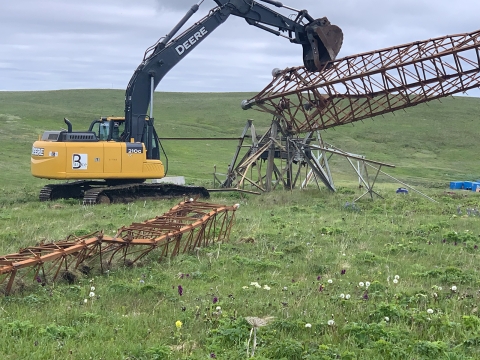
348, 90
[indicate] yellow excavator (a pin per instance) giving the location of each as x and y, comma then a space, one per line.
111, 161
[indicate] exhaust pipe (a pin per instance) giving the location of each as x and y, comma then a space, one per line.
69, 124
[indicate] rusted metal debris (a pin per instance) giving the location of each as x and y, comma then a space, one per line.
184, 228
370, 84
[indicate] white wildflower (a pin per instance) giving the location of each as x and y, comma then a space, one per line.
367, 284
85, 301
347, 296
330, 281
342, 296
92, 288
453, 288
397, 277
386, 318
285, 288
308, 325
440, 288
361, 284
266, 287
395, 281
92, 294
218, 308
244, 287
429, 311
331, 322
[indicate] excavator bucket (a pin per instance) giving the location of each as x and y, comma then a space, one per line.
325, 42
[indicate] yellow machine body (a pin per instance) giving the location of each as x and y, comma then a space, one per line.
88, 156
101, 160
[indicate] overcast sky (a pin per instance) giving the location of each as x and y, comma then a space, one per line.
73, 44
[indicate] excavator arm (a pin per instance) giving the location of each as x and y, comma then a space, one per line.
321, 42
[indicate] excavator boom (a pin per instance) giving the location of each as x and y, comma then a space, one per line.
320, 40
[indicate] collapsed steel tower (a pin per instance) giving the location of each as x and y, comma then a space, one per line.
347, 90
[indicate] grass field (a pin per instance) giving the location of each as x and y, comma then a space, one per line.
385, 279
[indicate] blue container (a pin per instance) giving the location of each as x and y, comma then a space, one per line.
467, 185
456, 185
476, 186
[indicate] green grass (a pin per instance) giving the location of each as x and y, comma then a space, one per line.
293, 242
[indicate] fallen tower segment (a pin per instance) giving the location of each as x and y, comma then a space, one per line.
184, 228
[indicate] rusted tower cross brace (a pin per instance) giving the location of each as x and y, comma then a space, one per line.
370, 84
183, 228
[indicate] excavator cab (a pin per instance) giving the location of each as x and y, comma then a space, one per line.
108, 128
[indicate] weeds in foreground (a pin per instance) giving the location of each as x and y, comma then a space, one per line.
390, 280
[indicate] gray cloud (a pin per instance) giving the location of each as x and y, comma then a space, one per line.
55, 44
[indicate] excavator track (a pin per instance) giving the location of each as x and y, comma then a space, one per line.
132, 192
97, 192
71, 190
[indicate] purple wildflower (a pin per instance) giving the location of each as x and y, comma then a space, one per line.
475, 247
319, 278
343, 271
320, 288
39, 280
213, 356
215, 300
180, 290
365, 295
181, 276
444, 241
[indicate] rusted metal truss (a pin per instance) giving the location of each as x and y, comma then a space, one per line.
186, 227
370, 84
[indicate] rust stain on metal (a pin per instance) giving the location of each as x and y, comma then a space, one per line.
185, 227
370, 84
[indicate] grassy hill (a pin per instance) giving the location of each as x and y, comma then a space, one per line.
435, 142
305, 249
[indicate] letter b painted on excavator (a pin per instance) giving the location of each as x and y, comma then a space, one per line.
79, 161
